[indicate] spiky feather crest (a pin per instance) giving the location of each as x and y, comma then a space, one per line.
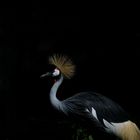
64, 64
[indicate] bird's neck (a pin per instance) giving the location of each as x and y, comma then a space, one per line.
54, 100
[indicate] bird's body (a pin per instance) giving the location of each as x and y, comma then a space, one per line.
94, 105
98, 110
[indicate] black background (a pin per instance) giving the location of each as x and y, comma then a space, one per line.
101, 45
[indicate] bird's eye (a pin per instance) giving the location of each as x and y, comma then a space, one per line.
56, 72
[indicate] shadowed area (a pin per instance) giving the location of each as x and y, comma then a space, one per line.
105, 62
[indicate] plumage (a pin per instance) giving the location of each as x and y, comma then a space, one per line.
64, 64
94, 108
104, 107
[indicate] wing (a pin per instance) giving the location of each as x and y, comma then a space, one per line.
94, 107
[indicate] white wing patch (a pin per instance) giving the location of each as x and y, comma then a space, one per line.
94, 113
115, 128
87, 110
109, 126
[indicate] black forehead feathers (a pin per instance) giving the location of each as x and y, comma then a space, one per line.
51, 67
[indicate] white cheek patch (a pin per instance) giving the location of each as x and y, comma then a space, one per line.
56, 72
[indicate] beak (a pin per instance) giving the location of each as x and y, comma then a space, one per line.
46, 74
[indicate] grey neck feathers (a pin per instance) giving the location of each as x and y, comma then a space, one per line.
55, 102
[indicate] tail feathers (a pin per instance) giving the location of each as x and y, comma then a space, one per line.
129, 131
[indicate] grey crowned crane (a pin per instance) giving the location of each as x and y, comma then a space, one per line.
101, 111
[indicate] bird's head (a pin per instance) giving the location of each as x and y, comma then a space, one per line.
52, 71
60, 65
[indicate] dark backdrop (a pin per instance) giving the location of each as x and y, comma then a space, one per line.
100, 44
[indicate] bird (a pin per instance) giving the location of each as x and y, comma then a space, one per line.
102, 112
